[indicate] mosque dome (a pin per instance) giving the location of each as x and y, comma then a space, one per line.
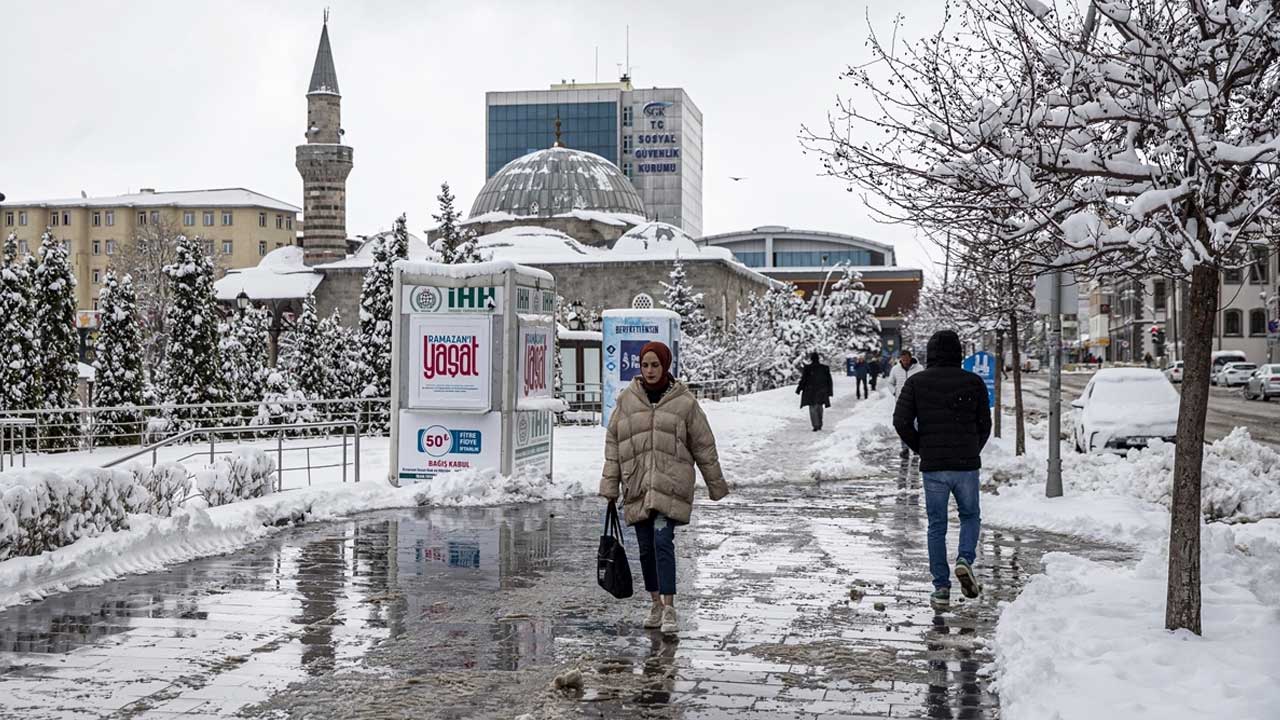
556, 182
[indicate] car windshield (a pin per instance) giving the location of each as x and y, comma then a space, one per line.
1137, 391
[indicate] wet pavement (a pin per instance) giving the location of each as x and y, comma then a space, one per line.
798, 600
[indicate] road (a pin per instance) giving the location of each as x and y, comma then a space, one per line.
1227, 407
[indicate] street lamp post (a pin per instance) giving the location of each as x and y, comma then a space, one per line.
242, 302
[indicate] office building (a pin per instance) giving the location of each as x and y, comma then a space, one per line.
653, 136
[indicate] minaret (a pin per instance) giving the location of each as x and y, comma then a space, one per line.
324, 163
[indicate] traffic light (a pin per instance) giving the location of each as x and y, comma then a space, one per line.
1157, 336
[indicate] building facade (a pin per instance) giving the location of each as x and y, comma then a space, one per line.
807, 258
239, 227
654, 136
324, 163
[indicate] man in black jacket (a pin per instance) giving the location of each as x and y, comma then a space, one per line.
943, 416
815, 390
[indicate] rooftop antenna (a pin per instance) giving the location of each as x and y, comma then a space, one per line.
627, 76
326, 16
597, 63
558, 143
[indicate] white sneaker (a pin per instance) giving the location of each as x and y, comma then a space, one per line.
669, 626
654, 621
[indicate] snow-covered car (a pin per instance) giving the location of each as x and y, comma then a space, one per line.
1125, 408
1235, 373
1174, 372
1263, 384
1221, 358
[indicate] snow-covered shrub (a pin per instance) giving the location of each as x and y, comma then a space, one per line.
246, 473
166, 486
42, 510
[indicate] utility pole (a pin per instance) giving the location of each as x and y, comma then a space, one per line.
1053, 485
999, 376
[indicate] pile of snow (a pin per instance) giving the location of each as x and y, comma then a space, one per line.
843, 453
246, 473
41, 510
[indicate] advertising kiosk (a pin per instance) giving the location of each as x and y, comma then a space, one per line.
625, 332
472, 367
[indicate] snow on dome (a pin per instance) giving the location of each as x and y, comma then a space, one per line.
532, 244
656, 236
281, 274
555, 182
284, 259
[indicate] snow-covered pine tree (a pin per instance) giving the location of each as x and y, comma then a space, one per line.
119, 378
375, 320
192, 371
20, 371
700, 348
455, 243
243, 353
852, 324
341, 359
307, 366
54, 290
282, 403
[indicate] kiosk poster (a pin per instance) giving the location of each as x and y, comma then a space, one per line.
432, 443
537, 358
532, 446
450, 361
625, 333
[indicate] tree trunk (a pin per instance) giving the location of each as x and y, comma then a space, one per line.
1182, 609
999, 386
1020, 428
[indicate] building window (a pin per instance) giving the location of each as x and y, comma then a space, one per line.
155, 217
24, 247
1159, 295
1259, 268
750, 259
279, 222
226, 217
188, 218
288, 223
279, 244
8, 219
22, 218
1231, 277
226, 247
97, 276
53, 219
626, 115
95, 306
1231, 323
142, 218
626, 144
262, 219
262, 248
66, 218
97, 247
111, 218
626, 169
97, 218
111, 247
1257, 322
643, 301
208, 218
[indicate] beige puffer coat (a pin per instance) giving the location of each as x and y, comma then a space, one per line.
650, 451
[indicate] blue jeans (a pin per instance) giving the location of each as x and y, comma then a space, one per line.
657, 539
939, 486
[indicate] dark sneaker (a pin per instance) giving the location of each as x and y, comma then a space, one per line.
969, 584
940, 600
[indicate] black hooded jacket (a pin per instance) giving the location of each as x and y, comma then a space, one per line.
942, 412
815, 386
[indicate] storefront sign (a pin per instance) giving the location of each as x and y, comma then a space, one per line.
432, 443
429, 299
449, 357
983, 364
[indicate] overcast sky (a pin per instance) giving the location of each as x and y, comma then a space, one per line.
107, 97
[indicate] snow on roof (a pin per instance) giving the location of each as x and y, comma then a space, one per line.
617, 219
565, 333
219, 197
652, 236
282, 274
469, 270
86, 372
419, 250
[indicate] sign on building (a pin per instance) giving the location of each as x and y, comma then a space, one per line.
471, 370
625, 333
983, 364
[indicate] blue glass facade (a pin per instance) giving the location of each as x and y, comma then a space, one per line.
750, 259
820, 258
517, 130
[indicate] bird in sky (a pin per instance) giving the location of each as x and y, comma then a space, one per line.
736, 179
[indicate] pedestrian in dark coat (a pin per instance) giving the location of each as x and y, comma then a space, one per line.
815, 390
942, 415
873, 371
860, 372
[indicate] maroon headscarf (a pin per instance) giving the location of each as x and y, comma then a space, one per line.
664, 356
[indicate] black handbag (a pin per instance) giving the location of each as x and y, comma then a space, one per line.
613, 573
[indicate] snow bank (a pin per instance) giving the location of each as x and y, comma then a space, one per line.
246, 473
167, 485
843, 453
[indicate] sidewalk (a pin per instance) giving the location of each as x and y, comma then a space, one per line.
798, 600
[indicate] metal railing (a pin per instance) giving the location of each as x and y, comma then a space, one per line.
90, 428
280, 432
587, 398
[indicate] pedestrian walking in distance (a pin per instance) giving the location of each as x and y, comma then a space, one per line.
860, 370
656, 434
873, 371
815, 390
902, 370
942, 415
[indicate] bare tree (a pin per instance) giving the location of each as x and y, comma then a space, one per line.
1134, 136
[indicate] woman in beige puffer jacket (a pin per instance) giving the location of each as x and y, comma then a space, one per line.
656, 435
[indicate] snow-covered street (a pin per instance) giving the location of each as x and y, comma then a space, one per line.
803, 594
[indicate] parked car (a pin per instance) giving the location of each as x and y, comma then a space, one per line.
1125, 408
1222, 357
1235, 373
1174, 372
1263, 384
